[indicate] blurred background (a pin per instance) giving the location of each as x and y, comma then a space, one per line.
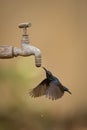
59, 30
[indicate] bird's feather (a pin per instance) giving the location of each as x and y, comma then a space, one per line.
53, 92
40, 89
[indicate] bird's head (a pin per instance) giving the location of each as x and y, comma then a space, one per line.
67, 90
48, 73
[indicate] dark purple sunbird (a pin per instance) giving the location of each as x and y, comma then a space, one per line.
50, 86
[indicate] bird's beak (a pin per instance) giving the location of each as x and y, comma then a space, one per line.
69, 92
44, 69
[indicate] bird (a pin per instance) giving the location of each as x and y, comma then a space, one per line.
51, 87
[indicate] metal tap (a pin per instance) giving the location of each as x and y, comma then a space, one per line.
25, 50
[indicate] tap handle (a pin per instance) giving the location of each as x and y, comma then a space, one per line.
24, 26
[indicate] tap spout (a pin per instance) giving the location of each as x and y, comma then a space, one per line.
28, 50
32, 50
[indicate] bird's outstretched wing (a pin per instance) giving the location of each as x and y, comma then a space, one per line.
53, 92
40, 90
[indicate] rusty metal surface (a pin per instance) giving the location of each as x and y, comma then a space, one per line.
6, 52
25, 50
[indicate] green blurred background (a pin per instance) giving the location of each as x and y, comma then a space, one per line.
59, 30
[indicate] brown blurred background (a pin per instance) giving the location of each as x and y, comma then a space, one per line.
59, 29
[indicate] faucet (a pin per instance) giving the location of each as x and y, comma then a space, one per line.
25, 50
